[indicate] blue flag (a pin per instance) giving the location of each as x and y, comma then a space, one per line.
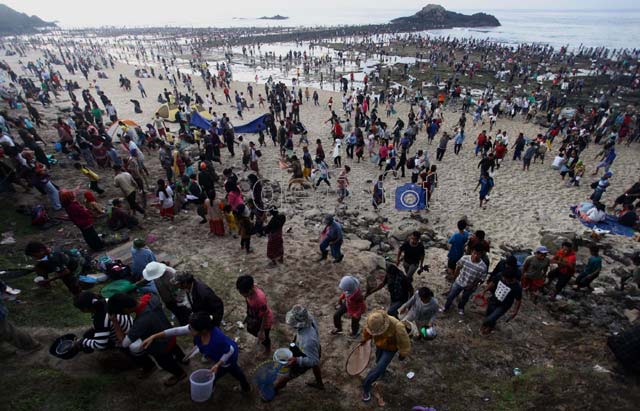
410, 197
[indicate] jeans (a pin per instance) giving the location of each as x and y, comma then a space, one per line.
494, 312
335, 247
410, 270
456, 289
440, 153
236, 372
383, 358
54, 195
337, 319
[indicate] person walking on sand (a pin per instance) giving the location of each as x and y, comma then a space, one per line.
275, 242
308, 352
442, 146
128, 187
331, 237
259, 319
390, 337
486, 185
412, 253
351, 302
470, 272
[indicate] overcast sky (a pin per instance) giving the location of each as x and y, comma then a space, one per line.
74, 13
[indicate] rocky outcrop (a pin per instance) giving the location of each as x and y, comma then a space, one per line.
276, 17
435, 16
14, 22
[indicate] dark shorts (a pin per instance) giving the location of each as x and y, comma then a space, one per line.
451, 263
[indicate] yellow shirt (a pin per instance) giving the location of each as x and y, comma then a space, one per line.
395, 338
89, 173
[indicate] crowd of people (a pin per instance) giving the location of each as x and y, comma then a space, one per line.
103, 150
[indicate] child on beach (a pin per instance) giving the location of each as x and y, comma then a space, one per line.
91, 175
165, 198
213, 208
245, 228
351, 302
231, 220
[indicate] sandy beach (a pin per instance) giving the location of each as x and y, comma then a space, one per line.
522, 204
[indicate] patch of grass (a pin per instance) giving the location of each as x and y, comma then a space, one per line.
43, 388
44, 307
18, 223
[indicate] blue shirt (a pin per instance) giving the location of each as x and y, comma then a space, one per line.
459, 138
218, 345
140, 258
457, 242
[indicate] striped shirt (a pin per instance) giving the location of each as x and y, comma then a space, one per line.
104, 333
470, 273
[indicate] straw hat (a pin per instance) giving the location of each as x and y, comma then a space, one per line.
377, 323
153, 270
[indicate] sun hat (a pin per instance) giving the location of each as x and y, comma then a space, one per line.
297, 317
153, 270
542, 250
377, 323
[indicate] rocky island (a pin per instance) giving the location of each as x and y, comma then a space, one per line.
434, 16
276, 17
14, 22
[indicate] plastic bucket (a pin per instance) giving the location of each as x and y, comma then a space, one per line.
281, 357
201, 385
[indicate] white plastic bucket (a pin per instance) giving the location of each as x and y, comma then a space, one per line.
281, 356
201, 385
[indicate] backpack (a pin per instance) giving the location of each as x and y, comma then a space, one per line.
411, 163
39, 215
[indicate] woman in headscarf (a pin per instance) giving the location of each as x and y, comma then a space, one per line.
275, 243
82, 218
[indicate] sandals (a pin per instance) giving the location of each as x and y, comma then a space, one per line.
335, 331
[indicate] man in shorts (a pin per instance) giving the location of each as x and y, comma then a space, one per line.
534, 271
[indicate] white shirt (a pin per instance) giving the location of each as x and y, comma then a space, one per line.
596, 215
166, 201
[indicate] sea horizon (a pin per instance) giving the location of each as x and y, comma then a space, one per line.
559, 27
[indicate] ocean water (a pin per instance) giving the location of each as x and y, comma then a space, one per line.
591, 28
611, 29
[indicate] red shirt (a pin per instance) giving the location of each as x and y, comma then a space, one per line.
482, 138
569, 268
501, 150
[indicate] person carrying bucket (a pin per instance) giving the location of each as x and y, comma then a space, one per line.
307, 355
212, 343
